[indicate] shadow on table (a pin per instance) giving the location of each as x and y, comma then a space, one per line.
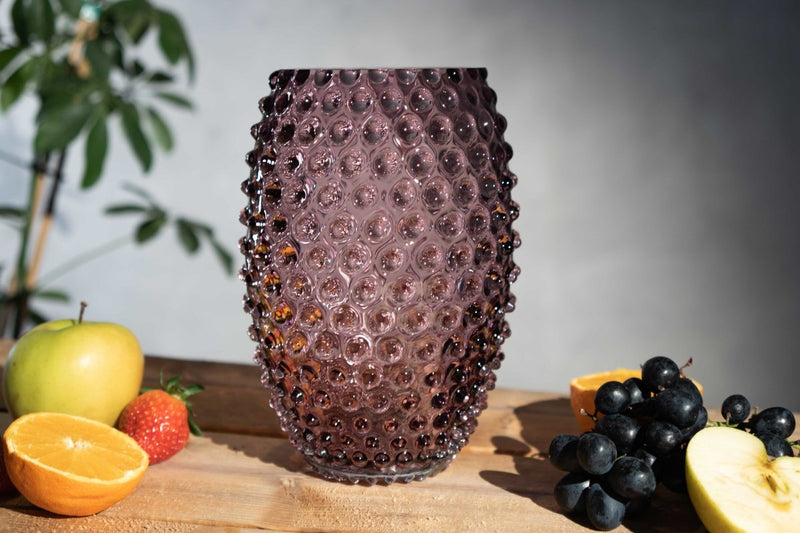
272, 450
535, 477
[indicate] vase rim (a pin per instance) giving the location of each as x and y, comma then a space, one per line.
386, 68
379, 74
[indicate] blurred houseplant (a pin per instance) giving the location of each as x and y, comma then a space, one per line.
79, 60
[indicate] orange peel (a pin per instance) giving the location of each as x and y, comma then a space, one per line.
71, 465
583, 388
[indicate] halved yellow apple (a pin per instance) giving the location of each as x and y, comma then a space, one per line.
735, 486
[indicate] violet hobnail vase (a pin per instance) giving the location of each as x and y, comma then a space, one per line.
378, 259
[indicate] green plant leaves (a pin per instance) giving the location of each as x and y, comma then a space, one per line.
11, 211
135, 16
33, 20
12, 215
160, 129
66, 99
124, 81
176, 99
52, 294
187, 235
139, 16
172, 40
96, 149
7, 55
71, 7
15, 84
150, 227
131, 126
223, 256
191, 233
141, 193
155, 218
36, 316
160, 77
41, 19
59, 125
101, 54
19, 21
170, 36
125, 209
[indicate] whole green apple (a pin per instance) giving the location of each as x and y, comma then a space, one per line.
90, 369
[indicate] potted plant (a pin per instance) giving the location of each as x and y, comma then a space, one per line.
82, 63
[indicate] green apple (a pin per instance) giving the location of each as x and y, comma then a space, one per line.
89, 369
735, 486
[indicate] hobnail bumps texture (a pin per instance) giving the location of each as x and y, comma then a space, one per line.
378, 258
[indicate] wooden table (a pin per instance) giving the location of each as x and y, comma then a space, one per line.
242, 475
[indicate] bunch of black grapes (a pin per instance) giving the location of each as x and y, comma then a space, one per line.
773, 425
639, 442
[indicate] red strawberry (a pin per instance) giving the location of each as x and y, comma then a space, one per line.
160, 419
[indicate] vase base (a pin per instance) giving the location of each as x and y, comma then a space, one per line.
372, 477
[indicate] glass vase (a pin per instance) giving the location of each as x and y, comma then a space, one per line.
378, 258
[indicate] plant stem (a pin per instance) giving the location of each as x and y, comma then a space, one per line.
82, 258
13, 160
27, 277
16, 287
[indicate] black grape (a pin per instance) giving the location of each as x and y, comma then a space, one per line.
612, 397
631, 478
604, 511
775, 445
735, 409
678, 407
619, 428
636, 389
570, 492
661, 438
659, 373
564, 453
596, 453
777, 420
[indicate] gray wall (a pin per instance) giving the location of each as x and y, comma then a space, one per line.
656, 145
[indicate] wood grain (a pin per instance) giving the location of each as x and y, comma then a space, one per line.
242, 475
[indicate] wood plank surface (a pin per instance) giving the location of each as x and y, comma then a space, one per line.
242, 475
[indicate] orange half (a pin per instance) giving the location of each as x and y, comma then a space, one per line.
71, 465
583, 388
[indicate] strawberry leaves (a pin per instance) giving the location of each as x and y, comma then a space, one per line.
174, 388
